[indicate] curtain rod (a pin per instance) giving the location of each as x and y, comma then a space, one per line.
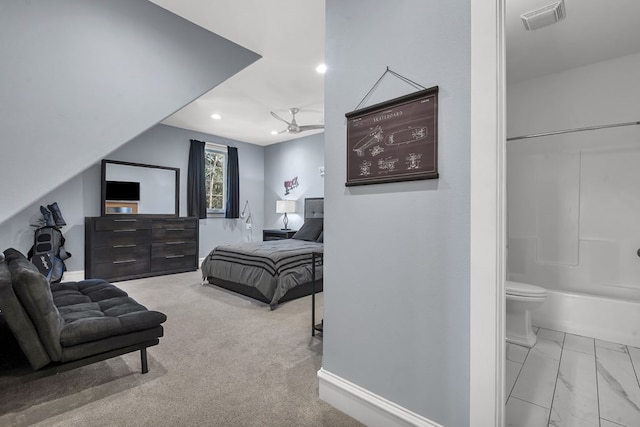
535, 135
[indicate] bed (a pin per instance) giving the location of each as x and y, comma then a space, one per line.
272, 271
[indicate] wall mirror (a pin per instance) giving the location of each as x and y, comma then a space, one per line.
139, 189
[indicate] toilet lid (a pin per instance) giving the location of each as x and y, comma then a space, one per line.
524, 289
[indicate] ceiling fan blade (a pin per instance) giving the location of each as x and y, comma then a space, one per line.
311, 127
279, 118
292, 126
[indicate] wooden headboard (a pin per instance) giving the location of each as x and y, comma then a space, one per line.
313, 207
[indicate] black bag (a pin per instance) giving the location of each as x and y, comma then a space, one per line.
48, 253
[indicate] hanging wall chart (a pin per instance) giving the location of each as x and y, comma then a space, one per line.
395, 140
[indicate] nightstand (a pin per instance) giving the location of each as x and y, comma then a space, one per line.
277, 234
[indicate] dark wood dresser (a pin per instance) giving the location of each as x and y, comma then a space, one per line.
122, 247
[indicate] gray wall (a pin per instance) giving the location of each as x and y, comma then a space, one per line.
262, 173
300, 158
396, 288
77, 198
169, 146
164, 146
79, 78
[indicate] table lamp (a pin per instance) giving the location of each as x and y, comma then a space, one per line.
285, 207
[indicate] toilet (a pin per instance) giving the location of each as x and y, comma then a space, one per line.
522, 299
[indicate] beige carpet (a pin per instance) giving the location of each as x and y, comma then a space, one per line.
225, 360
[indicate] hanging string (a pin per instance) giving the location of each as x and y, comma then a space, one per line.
388, 71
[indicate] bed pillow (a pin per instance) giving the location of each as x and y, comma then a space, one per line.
320, 238
310, 230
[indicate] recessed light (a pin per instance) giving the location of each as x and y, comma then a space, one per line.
274, 132
322, 68
216, 116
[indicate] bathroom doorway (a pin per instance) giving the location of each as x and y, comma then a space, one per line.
572, 201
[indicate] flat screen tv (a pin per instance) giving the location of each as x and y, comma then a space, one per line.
122, 190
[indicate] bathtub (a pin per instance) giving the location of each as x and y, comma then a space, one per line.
604, 318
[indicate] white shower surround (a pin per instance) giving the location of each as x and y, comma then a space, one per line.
574, 199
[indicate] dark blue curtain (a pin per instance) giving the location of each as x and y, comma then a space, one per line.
196, 192
233, 184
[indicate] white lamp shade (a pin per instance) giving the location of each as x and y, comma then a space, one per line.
285, 206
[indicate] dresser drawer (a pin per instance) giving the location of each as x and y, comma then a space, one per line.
107, 254
174, 234
175, 262
175, 223
112, 224
122, 268
170, 249
123, 237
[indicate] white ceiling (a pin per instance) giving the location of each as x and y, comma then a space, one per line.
593, 31
289, 34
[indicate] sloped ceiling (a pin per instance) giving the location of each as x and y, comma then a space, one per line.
84, 77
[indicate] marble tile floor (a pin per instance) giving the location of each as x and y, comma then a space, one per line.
571, 380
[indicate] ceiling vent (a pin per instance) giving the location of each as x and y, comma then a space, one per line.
544, 16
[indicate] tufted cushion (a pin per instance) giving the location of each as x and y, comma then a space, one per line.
70, 293
32, 289
313, 208
95, 309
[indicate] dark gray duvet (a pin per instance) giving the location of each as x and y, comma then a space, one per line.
272, 267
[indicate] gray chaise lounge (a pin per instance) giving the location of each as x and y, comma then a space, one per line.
66, 325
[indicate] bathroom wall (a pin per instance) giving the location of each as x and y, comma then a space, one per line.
573, 199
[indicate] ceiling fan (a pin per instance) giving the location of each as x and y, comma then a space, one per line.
292, 126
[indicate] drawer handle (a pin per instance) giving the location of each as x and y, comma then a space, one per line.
125, 230
126, 261
124, 246
125, 220
174, 256
175, 229
174, 243
174, 220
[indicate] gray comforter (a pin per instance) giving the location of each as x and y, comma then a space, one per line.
272, 267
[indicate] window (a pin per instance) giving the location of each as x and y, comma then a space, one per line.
215, 172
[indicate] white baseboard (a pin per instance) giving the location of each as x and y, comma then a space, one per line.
78, 275
366, 407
